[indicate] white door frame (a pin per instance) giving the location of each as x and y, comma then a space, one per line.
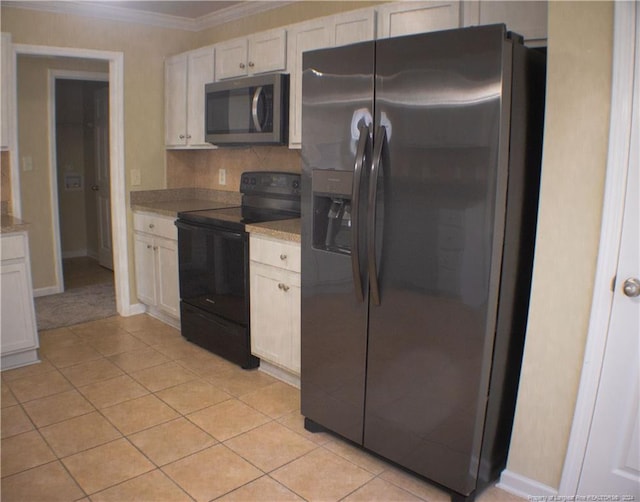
53, 163
613, 209
117, 163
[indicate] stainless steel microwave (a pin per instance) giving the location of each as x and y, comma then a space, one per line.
249, 110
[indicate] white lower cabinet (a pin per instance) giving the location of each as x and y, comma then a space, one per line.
18, 332
275, 302
156, 260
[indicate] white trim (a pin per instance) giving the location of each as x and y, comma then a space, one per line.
116, 152
78, 253
524, 487
116, 13
58, 255
624, 33
50, 290
14, 158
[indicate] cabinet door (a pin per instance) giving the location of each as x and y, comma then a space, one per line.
6, 82
267, 51
145, 268
353, 27
275, 316
201, 72
528, 19
303, 37
175, 81
406, 18
168, 294
231, 59
18, 328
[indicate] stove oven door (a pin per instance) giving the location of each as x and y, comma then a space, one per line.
213, 264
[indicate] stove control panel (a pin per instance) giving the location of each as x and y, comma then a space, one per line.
270, 183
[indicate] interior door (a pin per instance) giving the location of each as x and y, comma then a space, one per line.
612, 460
103, 186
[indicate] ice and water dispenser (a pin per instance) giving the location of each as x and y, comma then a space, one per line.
332, 220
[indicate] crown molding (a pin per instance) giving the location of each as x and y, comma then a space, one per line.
112, 12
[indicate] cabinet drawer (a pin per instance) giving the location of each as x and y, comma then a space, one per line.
275, 252
155, 225
13, 246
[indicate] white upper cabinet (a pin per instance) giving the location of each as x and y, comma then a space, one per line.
355, 26
528, 18
303, 37
259, 53
6, 74
185, 77
407, 18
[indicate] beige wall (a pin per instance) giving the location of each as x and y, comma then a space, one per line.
574, 163
144, 50
571, 197
33, 134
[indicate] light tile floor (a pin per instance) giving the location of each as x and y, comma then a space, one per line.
124, 409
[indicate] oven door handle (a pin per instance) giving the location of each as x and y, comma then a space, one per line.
192, 226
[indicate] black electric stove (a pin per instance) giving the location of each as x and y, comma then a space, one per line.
213, 255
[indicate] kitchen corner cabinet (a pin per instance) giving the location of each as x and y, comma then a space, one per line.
185, 77
528, 19
156, 260
259, 53
6, 83
407, 18
19, 333
274, 276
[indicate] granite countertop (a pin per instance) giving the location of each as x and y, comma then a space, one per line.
288, 230
11, 224
173, 207
171, 201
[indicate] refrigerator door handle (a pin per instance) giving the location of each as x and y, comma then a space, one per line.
371, 220
361, 152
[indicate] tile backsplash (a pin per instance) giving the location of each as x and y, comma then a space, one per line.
200, 168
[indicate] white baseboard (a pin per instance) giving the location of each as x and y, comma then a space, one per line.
74, 254
135, 309
92, 253
49, 290
280, 374
524, 487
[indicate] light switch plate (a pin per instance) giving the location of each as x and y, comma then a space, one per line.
135, 177
27, 163
222, 176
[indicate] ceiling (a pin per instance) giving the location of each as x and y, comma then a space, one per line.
190, 10
186, 15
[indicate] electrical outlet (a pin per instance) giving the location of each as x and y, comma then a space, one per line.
222, 176
135, 177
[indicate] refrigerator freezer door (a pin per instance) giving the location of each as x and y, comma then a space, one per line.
440, 98
337, 110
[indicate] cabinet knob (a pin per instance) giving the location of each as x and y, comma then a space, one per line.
283, 257
155, 248
251, 65
188, 136
181, 136
148, 246
283, 287
151, 225
242, 66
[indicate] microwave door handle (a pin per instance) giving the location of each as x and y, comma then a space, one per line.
254, 109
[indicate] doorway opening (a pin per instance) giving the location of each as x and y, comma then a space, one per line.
81, 163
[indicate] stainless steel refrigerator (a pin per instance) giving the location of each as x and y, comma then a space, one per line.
421, 162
